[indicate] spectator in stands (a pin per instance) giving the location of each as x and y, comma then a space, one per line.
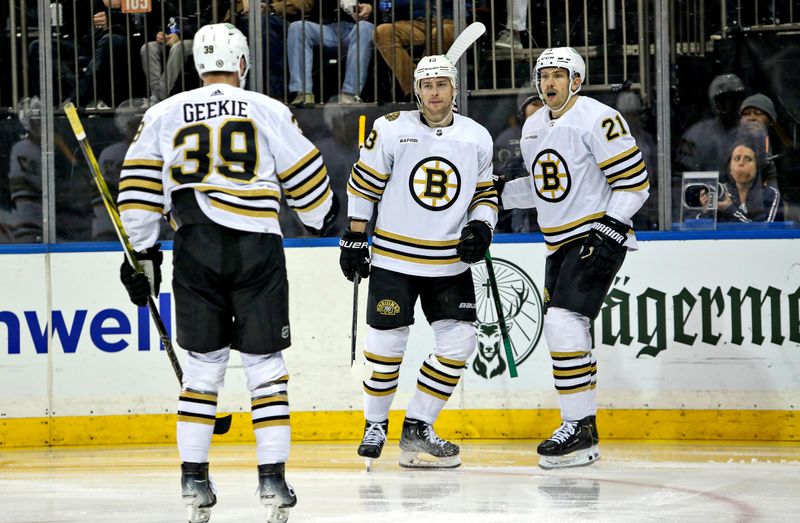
71, 45
331, 26
702, 146
745, 197
273, 20
408, 29
517, 13
507, 163
111, 43
71, 192
173, 42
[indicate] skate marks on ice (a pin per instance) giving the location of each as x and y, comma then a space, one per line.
498, 482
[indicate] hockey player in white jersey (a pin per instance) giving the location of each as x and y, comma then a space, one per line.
429, 173
586, 180
216, 159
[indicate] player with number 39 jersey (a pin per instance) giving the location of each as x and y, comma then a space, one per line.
237, 149
217, 159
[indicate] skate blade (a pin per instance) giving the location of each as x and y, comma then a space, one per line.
410, 459
579, 458
197, 514
277, 514
368, 463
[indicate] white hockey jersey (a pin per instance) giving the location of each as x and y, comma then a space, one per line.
237, 149
576, 163
427, 183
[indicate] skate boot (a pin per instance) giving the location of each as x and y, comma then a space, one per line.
423, 449
198, 492
276, 495
372, 443
573, 444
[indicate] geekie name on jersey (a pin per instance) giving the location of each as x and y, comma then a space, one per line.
195, 112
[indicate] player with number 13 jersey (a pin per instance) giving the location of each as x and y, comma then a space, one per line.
435, 178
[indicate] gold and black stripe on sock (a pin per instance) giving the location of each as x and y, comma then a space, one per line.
271, 421
196, 413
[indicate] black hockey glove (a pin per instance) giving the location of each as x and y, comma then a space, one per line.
475, 239
354, 254
141, 285
328, 221
604, 248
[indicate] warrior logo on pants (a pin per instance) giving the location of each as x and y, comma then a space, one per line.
522, 310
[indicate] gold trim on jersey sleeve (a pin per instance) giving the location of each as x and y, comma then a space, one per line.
141, 206
632, 172
307, 187
282, 176
355, 192
134, 163
633, 150
373, 172
640, 187
314, 203
130, 183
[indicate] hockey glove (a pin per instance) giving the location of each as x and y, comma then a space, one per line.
354, 254
140, 285
328, 221
475, 239
604, 248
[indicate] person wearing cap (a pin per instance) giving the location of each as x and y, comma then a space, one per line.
702, 146
757, 117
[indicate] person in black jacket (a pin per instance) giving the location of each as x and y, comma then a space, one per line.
330, 25
745, 198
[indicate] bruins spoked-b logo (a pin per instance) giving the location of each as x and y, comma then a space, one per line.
522, 310
435, 183
551, 176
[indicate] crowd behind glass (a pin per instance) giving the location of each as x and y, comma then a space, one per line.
334, 60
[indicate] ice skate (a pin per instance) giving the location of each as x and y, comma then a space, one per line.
423, 449
198, 492
573, 444
276, 495
372, 443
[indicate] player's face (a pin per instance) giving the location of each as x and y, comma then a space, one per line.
743, 164
436, 95
554, 84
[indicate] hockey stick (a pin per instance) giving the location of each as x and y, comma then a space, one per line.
222, 424
362, 122
498, 306
467, 37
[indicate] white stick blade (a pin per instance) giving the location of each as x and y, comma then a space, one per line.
467, 37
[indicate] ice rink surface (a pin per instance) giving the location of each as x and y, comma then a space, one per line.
499, 482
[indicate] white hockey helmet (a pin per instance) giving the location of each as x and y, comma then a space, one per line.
565, 58
220, 47
436, 66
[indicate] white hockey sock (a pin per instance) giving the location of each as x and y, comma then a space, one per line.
270, 406
196, 413
438, 377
